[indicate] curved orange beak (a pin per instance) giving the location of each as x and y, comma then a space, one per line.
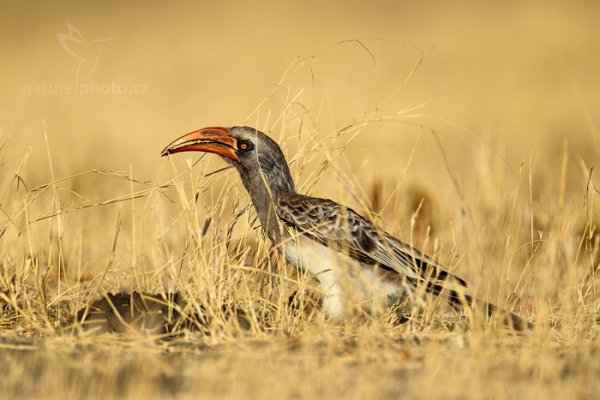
212, 140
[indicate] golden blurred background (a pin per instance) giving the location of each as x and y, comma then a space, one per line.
522, 72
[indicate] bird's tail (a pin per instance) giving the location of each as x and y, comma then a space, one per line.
510, 319
460, 300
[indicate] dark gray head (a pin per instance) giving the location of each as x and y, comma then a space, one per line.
258, 159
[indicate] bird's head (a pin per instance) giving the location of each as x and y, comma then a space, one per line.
254, 154
242, 146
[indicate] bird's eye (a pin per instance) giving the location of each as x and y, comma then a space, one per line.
245, 146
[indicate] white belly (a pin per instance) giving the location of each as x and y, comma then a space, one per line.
344, 281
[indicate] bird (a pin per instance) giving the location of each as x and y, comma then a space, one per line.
354, 261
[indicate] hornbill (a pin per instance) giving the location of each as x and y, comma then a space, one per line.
354, 261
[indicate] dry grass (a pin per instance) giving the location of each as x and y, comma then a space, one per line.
469, 132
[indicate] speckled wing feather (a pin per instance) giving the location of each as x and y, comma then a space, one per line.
339, 227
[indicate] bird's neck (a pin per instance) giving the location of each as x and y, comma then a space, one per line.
264, 189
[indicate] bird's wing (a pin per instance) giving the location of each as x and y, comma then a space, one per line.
333, 225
